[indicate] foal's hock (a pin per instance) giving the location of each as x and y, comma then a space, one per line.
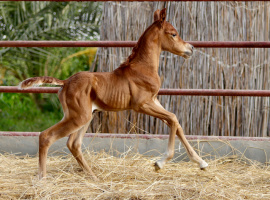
133, 85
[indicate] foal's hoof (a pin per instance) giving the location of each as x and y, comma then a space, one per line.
203, 165
157, 166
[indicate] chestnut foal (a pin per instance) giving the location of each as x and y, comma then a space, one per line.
134, 85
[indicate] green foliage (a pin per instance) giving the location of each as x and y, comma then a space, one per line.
41, 21
44, 21
19, 113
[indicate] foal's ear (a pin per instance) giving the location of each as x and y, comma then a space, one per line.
162, 15
156, 15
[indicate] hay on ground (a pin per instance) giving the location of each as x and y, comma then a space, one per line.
132, 176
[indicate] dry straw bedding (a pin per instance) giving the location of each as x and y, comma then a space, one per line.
132, 177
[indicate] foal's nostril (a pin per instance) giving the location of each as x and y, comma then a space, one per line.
190, 47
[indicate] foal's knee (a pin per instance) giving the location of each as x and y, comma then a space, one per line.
173, 121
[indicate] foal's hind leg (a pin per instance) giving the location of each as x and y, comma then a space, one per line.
49, 136
74, 144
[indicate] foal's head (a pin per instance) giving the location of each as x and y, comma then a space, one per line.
169, 37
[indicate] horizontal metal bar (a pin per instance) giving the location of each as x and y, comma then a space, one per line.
15, 89
67, 43
230, 44
130, 0
143, 136
186, 92
197, 44
214, 92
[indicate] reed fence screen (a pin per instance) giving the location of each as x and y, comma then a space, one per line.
224, 68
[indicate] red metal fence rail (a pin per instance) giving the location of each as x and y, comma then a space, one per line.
130, 0
197, 92
197, 44
187, 92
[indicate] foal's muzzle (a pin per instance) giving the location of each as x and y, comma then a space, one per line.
189, 52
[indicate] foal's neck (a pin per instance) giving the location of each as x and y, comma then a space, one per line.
146, 55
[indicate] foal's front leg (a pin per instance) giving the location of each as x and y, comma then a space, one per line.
190, 151
155, 109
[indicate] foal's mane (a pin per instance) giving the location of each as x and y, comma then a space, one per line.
136, 47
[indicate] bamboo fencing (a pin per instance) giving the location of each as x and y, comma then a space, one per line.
226, 68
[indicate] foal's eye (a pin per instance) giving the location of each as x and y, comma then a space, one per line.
173, 35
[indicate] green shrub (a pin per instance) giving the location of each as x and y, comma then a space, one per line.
18, 112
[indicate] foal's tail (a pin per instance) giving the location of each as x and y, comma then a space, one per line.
36, 81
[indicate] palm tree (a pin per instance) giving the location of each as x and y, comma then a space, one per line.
45, 21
